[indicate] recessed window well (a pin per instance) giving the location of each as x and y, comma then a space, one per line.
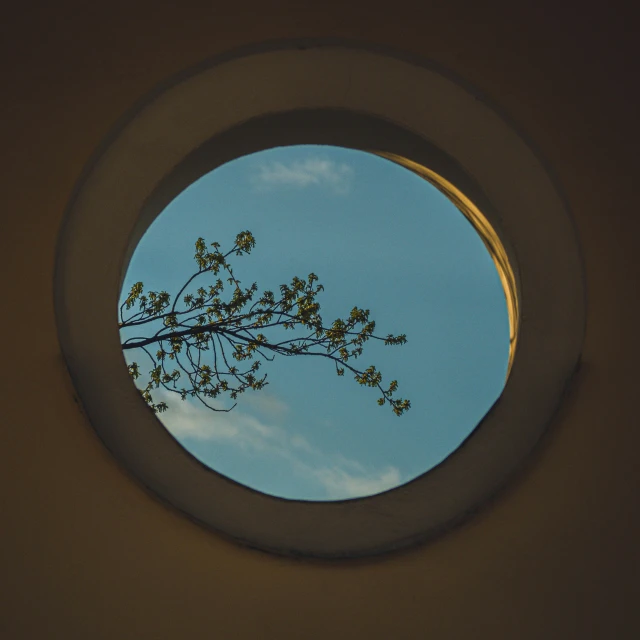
406, 195
378, 237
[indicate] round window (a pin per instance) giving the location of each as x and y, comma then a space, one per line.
273, 415
499, 298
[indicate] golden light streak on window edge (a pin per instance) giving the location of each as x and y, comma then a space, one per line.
485, 231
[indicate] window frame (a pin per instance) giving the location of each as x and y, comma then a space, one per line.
369, 99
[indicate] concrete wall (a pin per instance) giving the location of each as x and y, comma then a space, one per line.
87, 553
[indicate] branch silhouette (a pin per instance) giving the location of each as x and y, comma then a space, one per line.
204, 347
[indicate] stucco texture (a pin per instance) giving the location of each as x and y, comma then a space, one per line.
87, 553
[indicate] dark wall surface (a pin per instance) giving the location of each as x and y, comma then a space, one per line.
86, 553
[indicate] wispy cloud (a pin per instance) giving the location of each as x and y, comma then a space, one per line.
305, 173
188, 420
340, 484
267, 405
339, 477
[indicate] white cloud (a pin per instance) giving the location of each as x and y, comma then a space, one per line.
266, 404
341, 484
339, 476
305, 173
301, 443
187, 420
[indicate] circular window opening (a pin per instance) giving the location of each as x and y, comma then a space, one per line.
379, 238
329, 94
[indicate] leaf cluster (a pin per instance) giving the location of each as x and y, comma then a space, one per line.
211, 342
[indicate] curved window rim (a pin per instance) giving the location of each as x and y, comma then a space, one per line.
319, 529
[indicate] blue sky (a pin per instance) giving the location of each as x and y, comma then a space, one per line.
378, 237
